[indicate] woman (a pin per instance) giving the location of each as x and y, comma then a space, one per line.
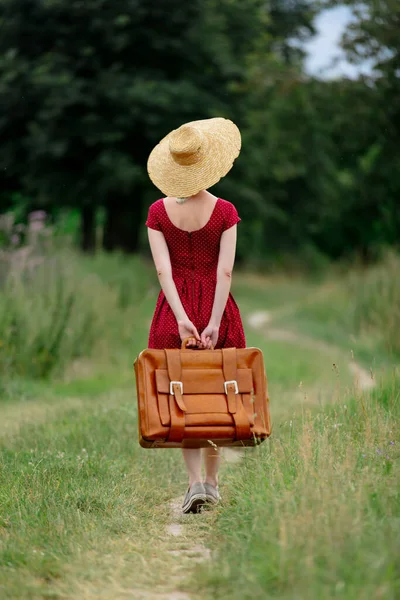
192, 236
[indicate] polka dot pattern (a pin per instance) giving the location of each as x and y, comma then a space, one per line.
194, 261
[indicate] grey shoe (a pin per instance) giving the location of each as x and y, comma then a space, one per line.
195, 498
212, 494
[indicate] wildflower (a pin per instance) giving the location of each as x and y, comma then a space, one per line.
378, 451
392, 443
36, 225
37, 215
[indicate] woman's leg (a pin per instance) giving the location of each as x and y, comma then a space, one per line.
192, 458
212, 461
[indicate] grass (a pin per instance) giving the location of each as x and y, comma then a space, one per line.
75, 488
54, 305
356, 310
313, 513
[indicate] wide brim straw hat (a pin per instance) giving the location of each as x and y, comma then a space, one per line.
194, 157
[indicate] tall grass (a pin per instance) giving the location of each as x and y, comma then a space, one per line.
359, 309
315, 513
57, 306
77, 502
376, 294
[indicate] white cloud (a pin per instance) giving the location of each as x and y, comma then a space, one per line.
325, 58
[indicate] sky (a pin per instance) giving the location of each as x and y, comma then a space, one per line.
324, 47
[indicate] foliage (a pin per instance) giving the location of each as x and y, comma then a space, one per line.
314, 512
350, 306
374, 36
54, 305
88, 88
376, 297
94, 85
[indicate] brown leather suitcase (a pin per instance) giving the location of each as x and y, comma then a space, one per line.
189, 398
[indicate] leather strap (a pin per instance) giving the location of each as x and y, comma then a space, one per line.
242, 423
177, 406
235, 404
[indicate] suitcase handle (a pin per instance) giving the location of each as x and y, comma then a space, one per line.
186, 340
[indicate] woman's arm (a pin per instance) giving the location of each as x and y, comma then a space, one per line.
226, 260
160, 253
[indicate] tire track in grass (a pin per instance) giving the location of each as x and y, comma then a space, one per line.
186, 546
261, 321
186, 535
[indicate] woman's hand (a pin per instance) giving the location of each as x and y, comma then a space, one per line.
188, 330
209, 337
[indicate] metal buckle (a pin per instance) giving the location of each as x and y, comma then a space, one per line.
226, 383
171, 389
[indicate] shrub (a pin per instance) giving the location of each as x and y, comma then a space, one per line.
57, 305
46, 315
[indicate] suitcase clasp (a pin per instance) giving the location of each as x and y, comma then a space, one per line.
171, 388
226, 383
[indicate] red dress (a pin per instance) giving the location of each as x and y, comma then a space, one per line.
194, 260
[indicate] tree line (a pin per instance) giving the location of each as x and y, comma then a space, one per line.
88, 88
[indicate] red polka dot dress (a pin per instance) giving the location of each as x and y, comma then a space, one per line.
194, 261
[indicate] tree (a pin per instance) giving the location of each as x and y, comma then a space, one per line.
373, 35
104, 80
91, 71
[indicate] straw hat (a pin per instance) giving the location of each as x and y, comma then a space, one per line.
194, 157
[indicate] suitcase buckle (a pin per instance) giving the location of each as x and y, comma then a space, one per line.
171, 389
226, 383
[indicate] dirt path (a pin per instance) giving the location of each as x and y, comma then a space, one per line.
262, 320
186, 543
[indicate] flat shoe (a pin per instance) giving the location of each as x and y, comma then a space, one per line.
212, 494
195, 498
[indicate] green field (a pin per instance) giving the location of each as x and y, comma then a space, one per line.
86, 513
